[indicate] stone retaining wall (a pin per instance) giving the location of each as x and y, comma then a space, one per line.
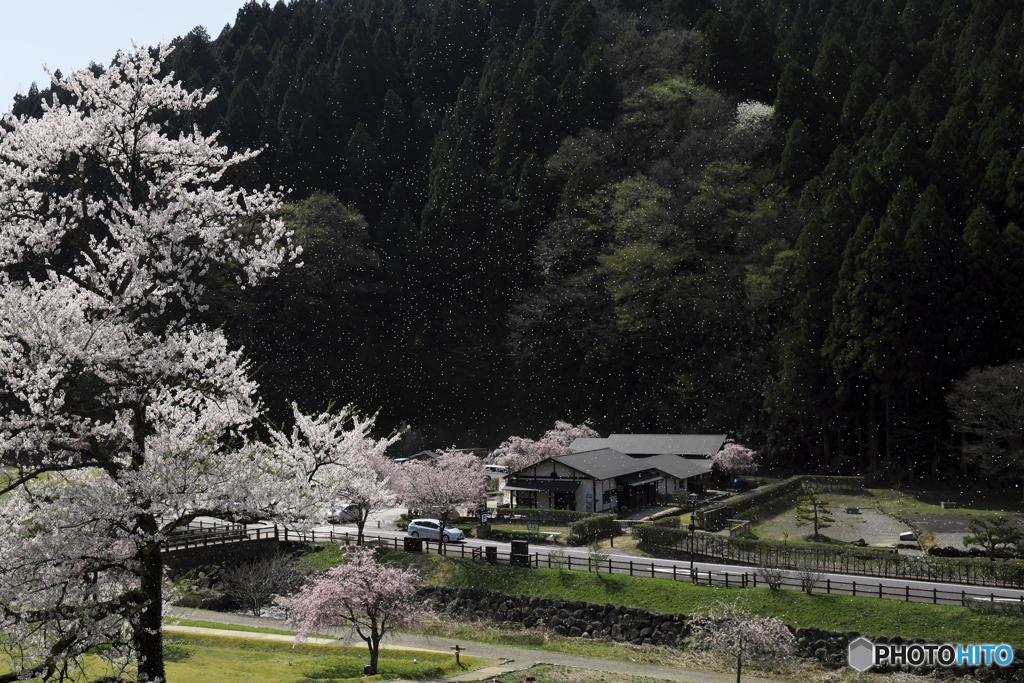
572, 619
646, 627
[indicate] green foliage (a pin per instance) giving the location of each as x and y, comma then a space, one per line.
991, 533
813, 510
596, 528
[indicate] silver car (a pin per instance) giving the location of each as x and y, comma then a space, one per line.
431, 529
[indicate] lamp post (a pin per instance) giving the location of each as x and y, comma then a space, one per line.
693, 527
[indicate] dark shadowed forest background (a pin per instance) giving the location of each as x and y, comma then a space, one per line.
517, 211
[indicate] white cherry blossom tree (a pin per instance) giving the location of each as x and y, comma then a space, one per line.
440, 486
518, 452
121, 417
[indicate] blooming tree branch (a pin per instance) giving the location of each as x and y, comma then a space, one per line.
518, 453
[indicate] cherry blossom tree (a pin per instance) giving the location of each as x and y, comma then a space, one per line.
372, 598
735, 459
517, 452
368, 488
733, 631
121, 417
440, 486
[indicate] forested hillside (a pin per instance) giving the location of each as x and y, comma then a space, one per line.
793, 221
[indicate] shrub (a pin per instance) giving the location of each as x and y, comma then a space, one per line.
595, 528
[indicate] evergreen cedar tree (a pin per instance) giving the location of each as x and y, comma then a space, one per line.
563, 218
123, 417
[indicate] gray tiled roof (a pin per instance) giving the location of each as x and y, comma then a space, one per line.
607, 463
678, 467
603, 463
654, 444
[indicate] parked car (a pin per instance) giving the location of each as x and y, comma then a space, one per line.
431, 529
349, 513
496, 471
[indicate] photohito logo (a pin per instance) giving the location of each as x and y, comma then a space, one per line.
864, 654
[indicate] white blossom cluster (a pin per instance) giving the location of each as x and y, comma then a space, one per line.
754, 118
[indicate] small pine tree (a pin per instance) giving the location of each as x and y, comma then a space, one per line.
813, 509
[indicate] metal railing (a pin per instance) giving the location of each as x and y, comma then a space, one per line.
642, 568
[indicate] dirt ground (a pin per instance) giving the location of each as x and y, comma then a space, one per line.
870, 524
949, 530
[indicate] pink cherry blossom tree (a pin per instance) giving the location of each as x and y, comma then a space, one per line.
121, 417
517, 452
733, 631
372, 598
440, 486
735, 459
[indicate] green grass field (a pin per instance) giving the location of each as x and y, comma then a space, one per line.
217, 659
834, 612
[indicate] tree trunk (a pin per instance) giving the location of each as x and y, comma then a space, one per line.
148, 625
374, 643
739, 665
360, 523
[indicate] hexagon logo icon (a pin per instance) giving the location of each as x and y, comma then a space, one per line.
862, 654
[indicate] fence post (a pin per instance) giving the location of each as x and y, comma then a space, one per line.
726, 579
879, 590
908, 593
754, 575
652, 570
631, 567
674, 575
828, 586
609, 565
855, 588
935, 596
963, 598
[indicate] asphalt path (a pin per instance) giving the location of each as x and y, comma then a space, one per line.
920, 591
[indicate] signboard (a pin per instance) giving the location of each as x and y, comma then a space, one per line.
590, 502
483, 518
533, 526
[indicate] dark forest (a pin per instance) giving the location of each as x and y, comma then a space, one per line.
517, 211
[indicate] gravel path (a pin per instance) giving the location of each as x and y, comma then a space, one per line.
870, 524
949, 530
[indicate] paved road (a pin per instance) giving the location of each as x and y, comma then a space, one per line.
514, 658
893, 588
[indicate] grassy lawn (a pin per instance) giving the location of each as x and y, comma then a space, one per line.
216, 659
834, 612
969, 502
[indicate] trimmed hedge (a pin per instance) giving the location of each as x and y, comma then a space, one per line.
768, 501
595, 528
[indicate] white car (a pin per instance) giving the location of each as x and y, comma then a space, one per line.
431, 529
496, 471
